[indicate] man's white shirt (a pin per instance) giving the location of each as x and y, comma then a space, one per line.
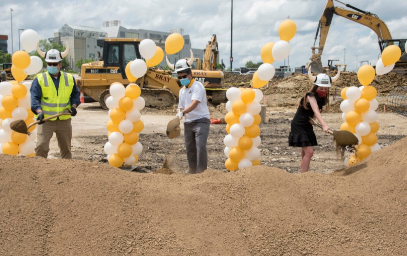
187, 95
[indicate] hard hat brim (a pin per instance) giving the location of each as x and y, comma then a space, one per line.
323, 85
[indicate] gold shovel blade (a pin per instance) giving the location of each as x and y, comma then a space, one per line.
345, 138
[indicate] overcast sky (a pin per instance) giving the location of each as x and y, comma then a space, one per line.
254, 23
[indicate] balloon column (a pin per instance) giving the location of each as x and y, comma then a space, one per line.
15, 101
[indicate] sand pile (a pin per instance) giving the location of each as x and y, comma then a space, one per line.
62, 207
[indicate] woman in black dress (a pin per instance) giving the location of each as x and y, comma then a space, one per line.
310, 106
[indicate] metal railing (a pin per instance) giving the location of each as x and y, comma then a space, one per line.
397, 100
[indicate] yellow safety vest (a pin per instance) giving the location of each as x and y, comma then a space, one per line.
53, 102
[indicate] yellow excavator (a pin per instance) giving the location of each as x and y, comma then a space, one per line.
160, 88
365, 18
5, 72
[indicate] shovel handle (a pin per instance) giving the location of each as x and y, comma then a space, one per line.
48, 118
316, 123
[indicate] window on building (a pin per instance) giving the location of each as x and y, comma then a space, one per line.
129, 53
122, 34
132, 35
186, 41
113, 55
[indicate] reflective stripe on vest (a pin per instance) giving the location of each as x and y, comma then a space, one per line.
53, 102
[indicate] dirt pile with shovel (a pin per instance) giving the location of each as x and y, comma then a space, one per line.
72, 207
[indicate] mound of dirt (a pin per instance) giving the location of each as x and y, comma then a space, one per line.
72, 207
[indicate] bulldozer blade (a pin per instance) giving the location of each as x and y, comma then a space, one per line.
345, 138
19, 126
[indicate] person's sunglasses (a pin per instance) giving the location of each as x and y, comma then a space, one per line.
182, 77
52, 64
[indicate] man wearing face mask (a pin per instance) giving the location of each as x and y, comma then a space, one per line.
193, 105
54, 92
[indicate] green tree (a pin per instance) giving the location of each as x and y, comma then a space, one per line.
5, 57
249, 64
219, 66
79, 63
46, 46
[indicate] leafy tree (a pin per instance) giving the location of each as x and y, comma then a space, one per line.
46, 46
79, 63
219, 66
5, 57
251, 64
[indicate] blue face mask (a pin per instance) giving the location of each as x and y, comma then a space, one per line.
52, 69
185, 81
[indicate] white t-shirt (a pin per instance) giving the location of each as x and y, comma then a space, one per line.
187, 95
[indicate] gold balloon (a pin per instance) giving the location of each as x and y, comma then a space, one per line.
257, 119
21, 60
366, 74
347, 127
29, 121
124, 150
19, 91
369, 139
363, 151
256, 162
257, 83
18, 74
133, 91
252, 131
115, 160
10, 148
157, 58
390, 55
131, 138
18, 138
227, 128
9, 103
354, 160
343, 93
245, 142
353, 118
174, 43
231, 118
374, 127
138, 126
248, 95
129, 75
112, 126
287, 30
239, 107
117, 115
369, 93
126, 104
231, 165
362, 105
236, 154
4, 113
265, 53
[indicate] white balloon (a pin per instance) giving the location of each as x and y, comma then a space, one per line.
253, 153
256, 141
116, 138
5, 136
110, 149
381, 69
233, 94
259, 95
369, 117
281, 50
246, 119
137, 149
117, 91
19, 113
230, 141
375, 147
27, 148
363, 128
139, 103
359, 138
6, 124
266, 72
112, 103
361, 87
1, 148
353, 93
254, 108
1, 121
25, 102
226, 151
244, 163
133, 115
126, 126
138, 68
237, 130
347, 106
344, 116
5, 88
29, 39
373, 105
130, 160
229, 106
147, 48
27, 85
34, 67
33, 135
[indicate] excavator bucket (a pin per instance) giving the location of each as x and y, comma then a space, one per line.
316, 67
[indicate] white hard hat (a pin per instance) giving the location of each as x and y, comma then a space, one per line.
323, 80
182, 65
53, 55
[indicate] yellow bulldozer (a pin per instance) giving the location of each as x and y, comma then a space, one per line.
359, 16
5, 72
159, 88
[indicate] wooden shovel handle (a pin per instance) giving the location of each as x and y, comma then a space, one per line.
319, 125
48, 118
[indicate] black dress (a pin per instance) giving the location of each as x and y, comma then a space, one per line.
302, 133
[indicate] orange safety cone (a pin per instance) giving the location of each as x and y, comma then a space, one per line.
82, 98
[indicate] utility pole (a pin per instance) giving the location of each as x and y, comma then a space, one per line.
231, 36
11, 16
344, 54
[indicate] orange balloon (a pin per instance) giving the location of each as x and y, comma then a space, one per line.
126, 104
129, 75
366, 74
18, 138
353, 118
138, 126
390, 55
131, 138
117, 115
265, 53
30, 113
228, 128
133, 91
18, 74
354, 160
346, 127
287, 30
231, 118
343, 93
21, 60
362, 105
4, 114
115, 160
239, 107
257, 119
369, 139
369, 93
136, 157
10, 148
19, 91
157, 58
29, 121
374, 127
231, 165
31, 155
257, 83
252, 131
9, 102
124, 150
256, 162
236, 154
174, 43
245, 142
248, 95
112, 126
363, 151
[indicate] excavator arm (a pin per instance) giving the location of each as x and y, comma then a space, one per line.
211, 54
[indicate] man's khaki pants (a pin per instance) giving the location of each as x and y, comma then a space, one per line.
63, 130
